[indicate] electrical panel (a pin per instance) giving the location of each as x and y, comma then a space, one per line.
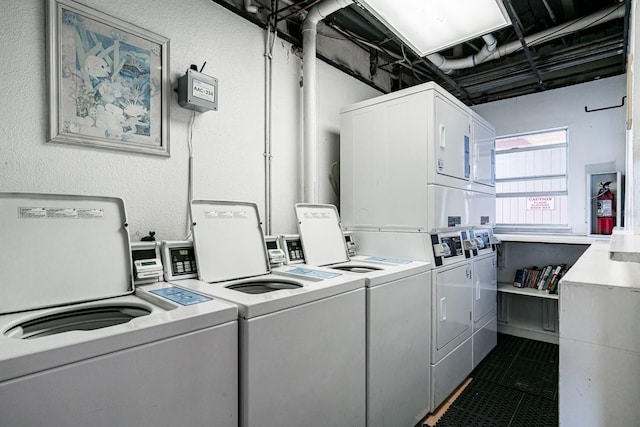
197, 91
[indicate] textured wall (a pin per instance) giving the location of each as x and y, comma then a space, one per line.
597, 140
228, 144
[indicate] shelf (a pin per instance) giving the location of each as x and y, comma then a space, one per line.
570, 239
508, 288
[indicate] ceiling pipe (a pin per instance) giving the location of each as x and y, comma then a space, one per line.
470, 61
249, 7
490, 52
309, 92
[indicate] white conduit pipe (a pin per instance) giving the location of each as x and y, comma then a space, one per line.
490, 51
249, 7
309, 86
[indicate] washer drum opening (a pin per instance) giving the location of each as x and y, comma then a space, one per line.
263, 287
84, 319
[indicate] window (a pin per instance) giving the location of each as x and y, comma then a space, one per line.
531, 180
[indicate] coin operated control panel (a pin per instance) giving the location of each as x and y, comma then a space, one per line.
352, 247
147, 264
292, 247
179, 260
277, 256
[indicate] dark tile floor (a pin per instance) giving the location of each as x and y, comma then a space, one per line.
515, 385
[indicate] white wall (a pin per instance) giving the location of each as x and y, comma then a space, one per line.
228, 144
597, 140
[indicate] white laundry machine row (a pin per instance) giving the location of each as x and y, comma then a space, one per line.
398, 334
397, 315
455, 348
79, 347
301, 333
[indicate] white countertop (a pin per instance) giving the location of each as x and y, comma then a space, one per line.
625, 247
595, 267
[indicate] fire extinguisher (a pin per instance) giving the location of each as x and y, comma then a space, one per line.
606, 214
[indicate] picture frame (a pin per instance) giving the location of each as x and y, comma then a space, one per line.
108, 81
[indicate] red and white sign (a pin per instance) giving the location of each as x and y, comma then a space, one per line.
544, 203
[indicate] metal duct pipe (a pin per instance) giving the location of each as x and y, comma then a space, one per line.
470, 61
488, 53
249, 7
310, 122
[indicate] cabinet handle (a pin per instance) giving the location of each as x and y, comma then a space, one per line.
478, 291
443, 136
443, 309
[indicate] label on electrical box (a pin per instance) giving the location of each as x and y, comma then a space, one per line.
204, 90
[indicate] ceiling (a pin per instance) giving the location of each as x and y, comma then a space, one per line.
587, 41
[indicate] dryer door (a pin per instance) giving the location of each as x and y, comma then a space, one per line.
453, 303
485, 288
453, 144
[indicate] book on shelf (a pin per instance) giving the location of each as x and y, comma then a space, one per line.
534, 278
518, 281
531, 272
553, 286
547, 282
543, 279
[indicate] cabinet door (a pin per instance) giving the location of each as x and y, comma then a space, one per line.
453, 132
485, 287
484, 154
453, 304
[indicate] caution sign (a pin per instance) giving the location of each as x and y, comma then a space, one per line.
543, 203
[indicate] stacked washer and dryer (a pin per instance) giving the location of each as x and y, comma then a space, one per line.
417, 179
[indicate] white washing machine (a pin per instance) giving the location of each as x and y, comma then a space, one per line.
485, 293
77, 348
302, 338
398, 318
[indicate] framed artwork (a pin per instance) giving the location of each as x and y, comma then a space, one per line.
108, 81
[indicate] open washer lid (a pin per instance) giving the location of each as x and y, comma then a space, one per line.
228, 240
61, 249
321, 234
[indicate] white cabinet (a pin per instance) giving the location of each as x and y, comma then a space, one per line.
599, 343
527, 312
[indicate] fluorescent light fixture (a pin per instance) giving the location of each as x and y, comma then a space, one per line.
429, 26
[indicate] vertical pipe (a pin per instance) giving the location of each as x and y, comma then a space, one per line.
267, 130
310, 119
309, 91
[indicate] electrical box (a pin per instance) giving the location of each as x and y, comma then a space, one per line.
197, 91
